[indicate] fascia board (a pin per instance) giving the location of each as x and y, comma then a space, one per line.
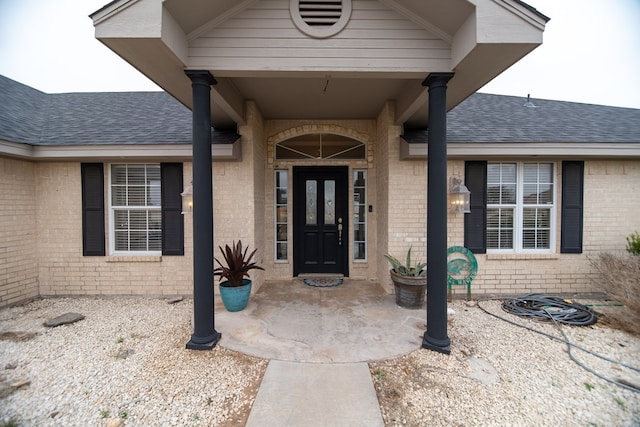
219, 152
475, 150
14, 149
134, 19
110, 9
536, 19
174, 37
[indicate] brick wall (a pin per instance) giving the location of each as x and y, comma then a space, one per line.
611, 205
63, 270
610, 214
242, 187
18, 251
41, 236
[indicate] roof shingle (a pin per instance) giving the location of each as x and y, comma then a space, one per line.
113, 118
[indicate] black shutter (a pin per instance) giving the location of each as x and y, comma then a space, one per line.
475, 223
572, 207
172, 220
92, 209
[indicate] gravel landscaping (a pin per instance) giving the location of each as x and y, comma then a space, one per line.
499, 374
125, 364
125, 361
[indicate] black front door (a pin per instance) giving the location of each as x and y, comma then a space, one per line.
320, 222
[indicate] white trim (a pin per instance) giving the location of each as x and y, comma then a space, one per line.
111, 9
15, 149
124, 152
523, 12
524, 149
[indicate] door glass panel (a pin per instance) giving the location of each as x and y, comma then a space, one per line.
330, 202
312, 204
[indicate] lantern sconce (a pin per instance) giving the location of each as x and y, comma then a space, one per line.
459, 196
187, 200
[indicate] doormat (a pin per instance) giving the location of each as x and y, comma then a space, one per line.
323, 283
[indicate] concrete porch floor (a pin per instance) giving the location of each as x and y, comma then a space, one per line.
356, 321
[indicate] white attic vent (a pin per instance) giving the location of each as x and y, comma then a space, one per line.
320, 13
320, 18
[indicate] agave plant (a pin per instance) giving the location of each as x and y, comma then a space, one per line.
406, 269
237, 264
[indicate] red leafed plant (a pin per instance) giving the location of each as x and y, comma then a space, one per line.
237, 264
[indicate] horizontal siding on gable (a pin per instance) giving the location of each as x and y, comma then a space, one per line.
264, 37
229, 66
308, 43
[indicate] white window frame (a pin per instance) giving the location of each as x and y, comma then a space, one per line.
113, 209
519, 206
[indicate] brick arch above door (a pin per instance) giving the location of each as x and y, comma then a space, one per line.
318, 128
363, 131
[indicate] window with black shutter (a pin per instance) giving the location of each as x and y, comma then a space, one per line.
572, 207
172, 218
93, 230
475, 222
513, 207
144, 209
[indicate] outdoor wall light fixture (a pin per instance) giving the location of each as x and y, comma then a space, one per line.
459, 196
187, 200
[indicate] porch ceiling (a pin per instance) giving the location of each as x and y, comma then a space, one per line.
481, 38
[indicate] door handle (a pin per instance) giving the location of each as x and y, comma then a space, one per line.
339, 231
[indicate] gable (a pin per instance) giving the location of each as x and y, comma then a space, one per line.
265, 36
384, 52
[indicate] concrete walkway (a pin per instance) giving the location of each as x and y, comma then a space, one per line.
309, 394
318, 341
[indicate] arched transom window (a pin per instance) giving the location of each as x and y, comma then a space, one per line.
320, 146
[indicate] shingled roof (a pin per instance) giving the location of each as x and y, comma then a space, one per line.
485, 118
112, 118
98, 118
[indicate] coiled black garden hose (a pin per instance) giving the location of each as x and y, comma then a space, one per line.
546, 307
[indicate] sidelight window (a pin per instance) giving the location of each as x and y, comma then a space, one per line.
360, 215
281, 204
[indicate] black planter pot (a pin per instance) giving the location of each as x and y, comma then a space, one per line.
410, 290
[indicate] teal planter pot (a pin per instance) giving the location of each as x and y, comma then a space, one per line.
235, 298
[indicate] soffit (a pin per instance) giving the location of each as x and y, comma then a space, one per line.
321, 98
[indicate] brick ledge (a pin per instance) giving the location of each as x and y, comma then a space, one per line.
523, 256
134, 258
